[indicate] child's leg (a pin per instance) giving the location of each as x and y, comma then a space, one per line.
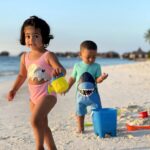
39, 113
48, 137
80, 114
80, 123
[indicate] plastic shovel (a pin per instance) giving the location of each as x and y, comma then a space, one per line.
134, 128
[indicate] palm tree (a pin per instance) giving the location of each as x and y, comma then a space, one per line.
147, 36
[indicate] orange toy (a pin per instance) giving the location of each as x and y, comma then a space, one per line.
133, 127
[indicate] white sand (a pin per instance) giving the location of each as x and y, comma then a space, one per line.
126, 85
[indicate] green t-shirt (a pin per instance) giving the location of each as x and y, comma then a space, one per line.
81, 67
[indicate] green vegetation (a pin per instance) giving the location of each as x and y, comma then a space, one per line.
147, 36
148, 54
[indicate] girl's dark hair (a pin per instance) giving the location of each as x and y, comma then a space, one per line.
38, 23
90, 45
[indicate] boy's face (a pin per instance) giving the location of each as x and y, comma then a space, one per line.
88, 56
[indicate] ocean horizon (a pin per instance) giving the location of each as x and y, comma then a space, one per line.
9, 65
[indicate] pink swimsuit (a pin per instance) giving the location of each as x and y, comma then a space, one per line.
40, 70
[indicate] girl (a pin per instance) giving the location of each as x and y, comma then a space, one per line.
38, 66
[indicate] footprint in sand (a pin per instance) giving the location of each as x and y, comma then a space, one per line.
4, 138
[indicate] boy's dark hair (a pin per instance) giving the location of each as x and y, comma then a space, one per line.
38, 23
90, 45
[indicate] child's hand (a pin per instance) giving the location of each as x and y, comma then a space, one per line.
64, 93
56, 71
11, 95
101, 78
104, 76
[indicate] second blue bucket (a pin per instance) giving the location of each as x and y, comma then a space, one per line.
105, 122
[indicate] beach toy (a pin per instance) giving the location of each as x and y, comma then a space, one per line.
134, 128
105, 122
88, 124
143, 114
58, 84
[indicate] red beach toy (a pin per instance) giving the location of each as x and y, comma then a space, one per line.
143, 114
134, 128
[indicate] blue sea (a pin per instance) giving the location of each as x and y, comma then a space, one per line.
9, 66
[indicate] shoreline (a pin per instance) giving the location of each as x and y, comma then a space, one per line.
8, 71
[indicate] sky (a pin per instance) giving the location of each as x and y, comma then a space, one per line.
115, 25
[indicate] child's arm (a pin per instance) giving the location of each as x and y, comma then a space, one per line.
20, 79
71, 81
53, 61
101, 78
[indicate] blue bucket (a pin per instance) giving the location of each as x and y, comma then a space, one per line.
105, 122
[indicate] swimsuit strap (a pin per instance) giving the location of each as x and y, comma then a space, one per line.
44, 55
41, 57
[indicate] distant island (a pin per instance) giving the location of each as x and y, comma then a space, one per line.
133, 55
4, 53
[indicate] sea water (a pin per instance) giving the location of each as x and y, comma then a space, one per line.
9, 66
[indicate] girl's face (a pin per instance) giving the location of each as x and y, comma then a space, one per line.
88, 56
33, 38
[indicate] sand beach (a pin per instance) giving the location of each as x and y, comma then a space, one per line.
127, 85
